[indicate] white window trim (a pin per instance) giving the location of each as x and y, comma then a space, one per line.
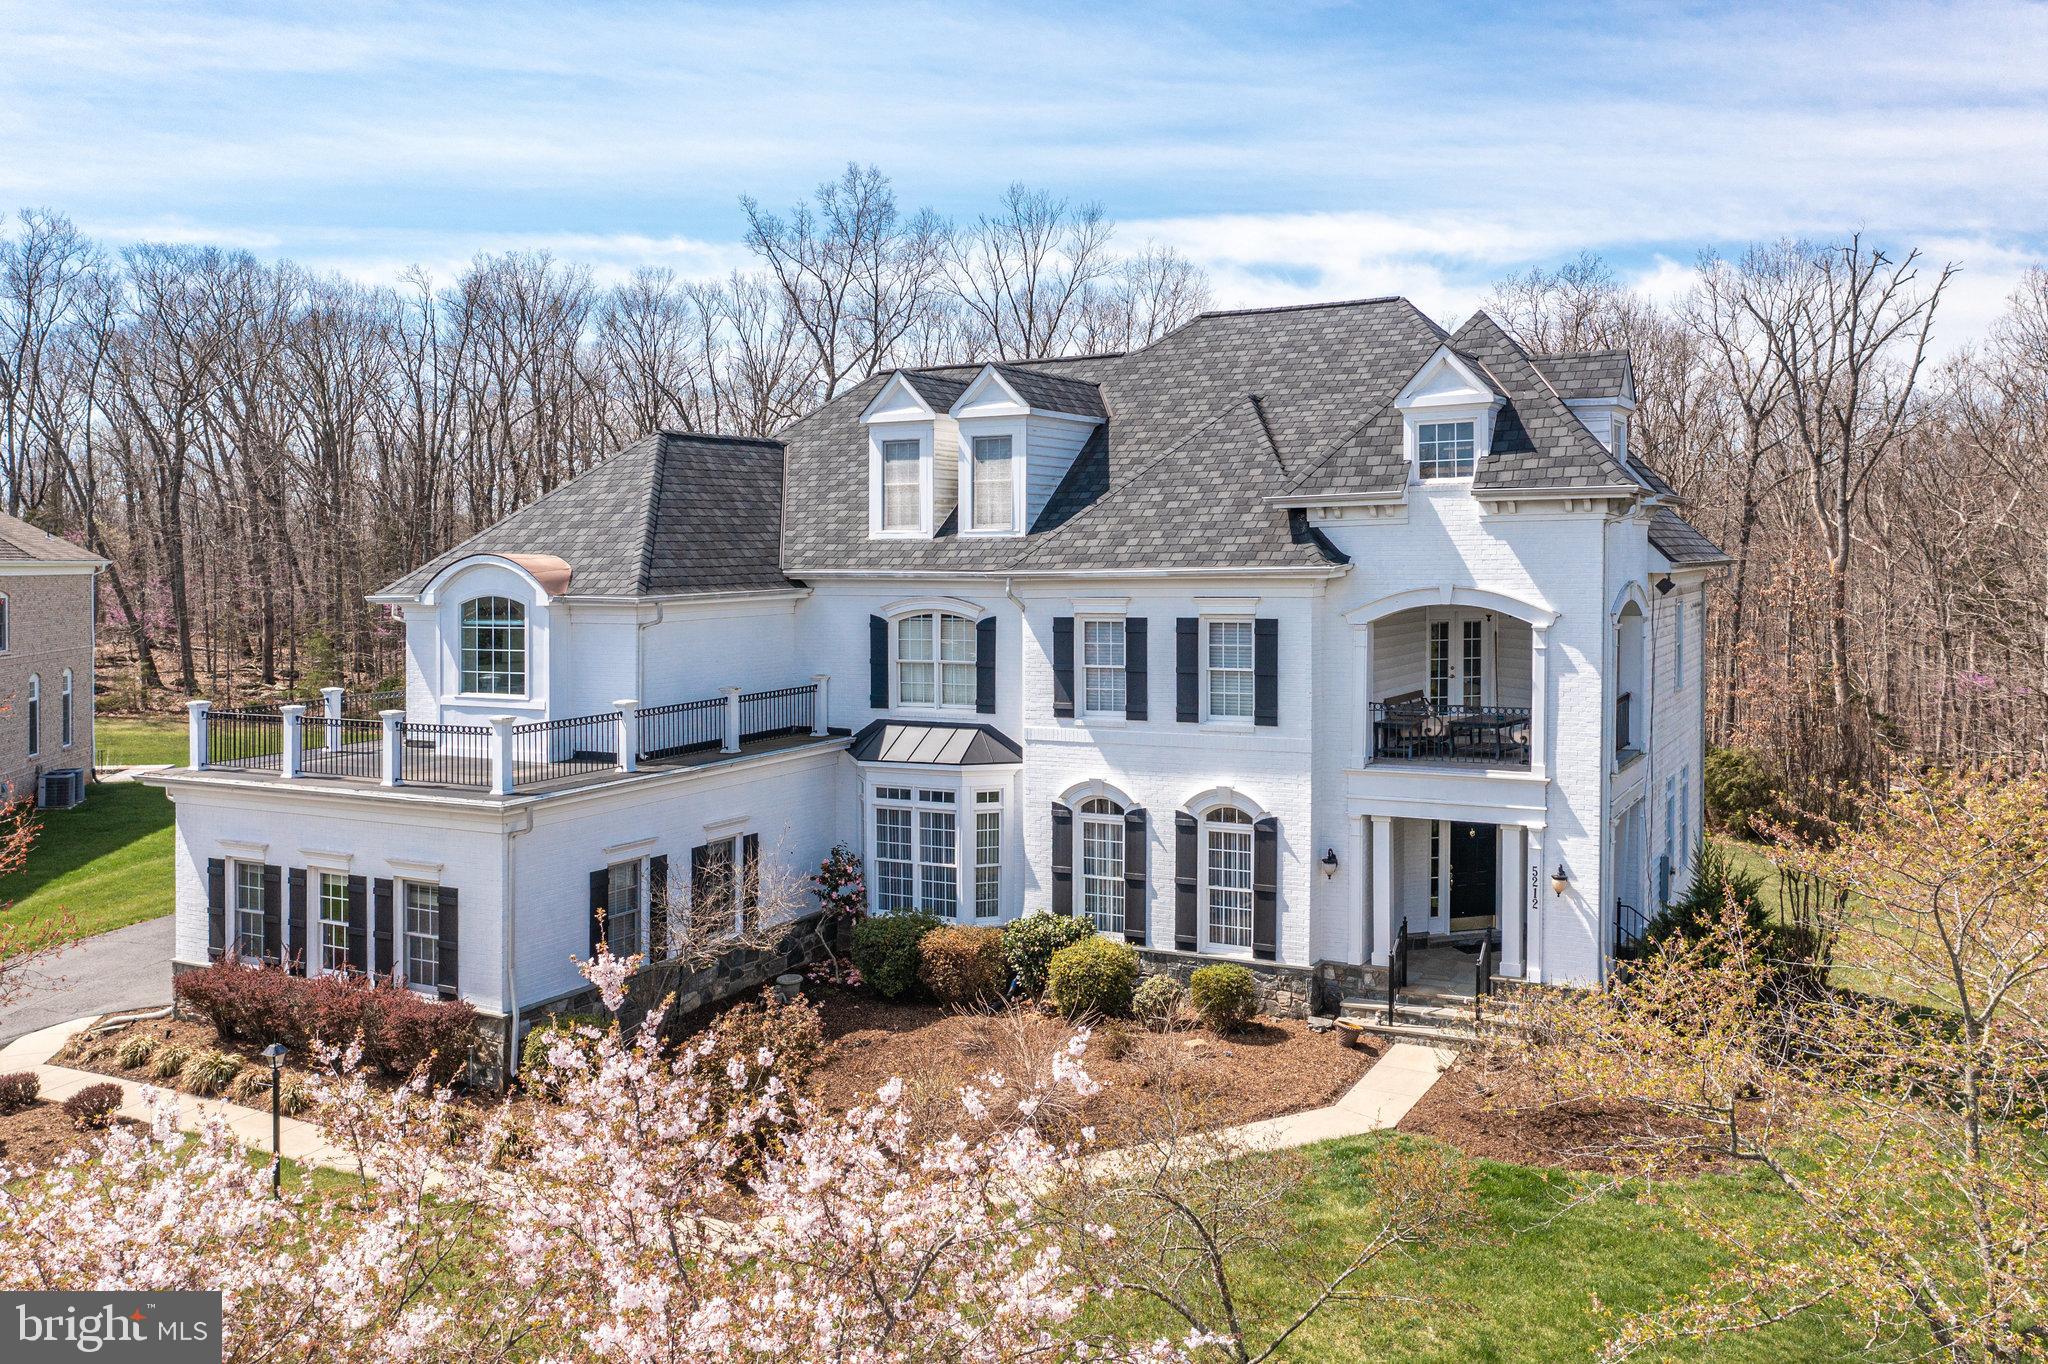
1081, 707
1082, 820
981, 428
316, 950
976, 807
1438, 419
924, 433
1205, 822
1489, 640
525, 693
965, 788
66, 728
1481, 417
1209, 717
236, 908
938, 703
643, 909
401, 947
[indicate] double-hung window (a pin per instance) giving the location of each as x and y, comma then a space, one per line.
1231, 653
1102, 864
333, 941
938, 854
249, 903
422, 934
902, 482
494, 647
917, 851
623, 911
994, 491
1102, 666
1444, 449
988, 854
935, 657
1227, 881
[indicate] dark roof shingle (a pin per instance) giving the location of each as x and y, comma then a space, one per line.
1672, 536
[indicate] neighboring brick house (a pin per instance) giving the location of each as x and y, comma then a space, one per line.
46, 655
1293, 630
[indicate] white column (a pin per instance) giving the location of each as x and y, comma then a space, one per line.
330, 707
1536, 877
1513, 891
821, 703
391, 753
1539, 700
1359, 876
629, 734
501, 754
292, 720
1382, 888
196, 723
732, 720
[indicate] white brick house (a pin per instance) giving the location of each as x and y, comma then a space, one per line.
1297, 628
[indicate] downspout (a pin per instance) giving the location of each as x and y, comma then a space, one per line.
640, 650
509, 936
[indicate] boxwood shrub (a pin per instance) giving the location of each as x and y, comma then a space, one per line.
885, 951
1029, 943
1226, 996
1094, 977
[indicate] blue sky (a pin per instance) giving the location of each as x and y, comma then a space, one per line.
1298, 151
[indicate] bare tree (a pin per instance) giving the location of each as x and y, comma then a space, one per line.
1025, 275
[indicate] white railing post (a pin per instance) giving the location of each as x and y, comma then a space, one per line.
292, 718
196, 722
331, 707
732, 721
629, 735
821, 703
391, 752
501, 754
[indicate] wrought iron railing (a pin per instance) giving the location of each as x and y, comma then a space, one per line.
548, 750
1397, 968
785, 710
1495, 736
445, 755
1630, 926
252, 740
681, 727
1482, 979
340, 747
366, 704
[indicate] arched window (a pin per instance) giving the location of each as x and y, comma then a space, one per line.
494, 647
64, 710
35, 715
935, 660
1227, 876
1102, 864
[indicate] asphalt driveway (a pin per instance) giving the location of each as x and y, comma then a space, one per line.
129, 968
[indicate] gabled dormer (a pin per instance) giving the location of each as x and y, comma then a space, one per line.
1019, 433
1447, 415
913, 456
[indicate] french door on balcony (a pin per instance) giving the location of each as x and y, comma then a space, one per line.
1460, 654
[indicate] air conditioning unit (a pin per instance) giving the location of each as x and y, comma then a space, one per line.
61, 789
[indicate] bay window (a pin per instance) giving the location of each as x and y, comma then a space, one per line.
917, 862
988, 854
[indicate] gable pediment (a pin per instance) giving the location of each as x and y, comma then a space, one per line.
898, 401
1447, 380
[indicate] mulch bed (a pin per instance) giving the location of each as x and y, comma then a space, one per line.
195, 1036
1276, 1066
42, 1132
1487, 1108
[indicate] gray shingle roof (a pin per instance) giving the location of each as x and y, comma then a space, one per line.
670, 514
1053, 392
1672, 536
21, 541
1537, 441
1585, 373
941, 391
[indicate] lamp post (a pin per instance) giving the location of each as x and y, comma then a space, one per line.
274, 1053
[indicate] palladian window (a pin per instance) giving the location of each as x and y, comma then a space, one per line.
494, 647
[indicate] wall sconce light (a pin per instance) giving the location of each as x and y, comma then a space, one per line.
1558, 880
1664, 584
1330, 862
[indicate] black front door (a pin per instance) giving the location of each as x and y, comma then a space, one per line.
1475, 866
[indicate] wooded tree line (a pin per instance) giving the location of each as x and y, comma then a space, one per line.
255, 446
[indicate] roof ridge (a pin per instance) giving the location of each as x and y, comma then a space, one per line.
1575, 354
719, 437
1298, 307
1628, 475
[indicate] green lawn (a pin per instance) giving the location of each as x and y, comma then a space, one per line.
1524, 1288
127, 739
108, 862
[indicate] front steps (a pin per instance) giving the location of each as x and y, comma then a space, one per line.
1435, 1017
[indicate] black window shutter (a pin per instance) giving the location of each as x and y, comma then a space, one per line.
1134, 876
216, 908
1187, 670
600, 896
1062, 859
985, 666
273, 914
1137, 671
1187, 856
1265, 888
381, 891
657, 907
878, 663
358, 924
750, 876
1062, 665
305, 933
447, 969
1265, 671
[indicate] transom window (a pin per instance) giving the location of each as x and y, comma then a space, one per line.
1228, 879
988, 854
1102, 864
422, 934
333, 945
1102, 663
994, 508
249, 911
917, 852
1443, 449
900, 484
622, 908
494, 647
935, 660
1230, 669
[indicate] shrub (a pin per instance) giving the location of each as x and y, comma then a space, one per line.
94, 1106
963, 965
1093, 977
333, 1009
1157, 1000
1226, 996
1112, 1042
885, 951
249, 1086
209, 1072
18, 1091
1715, 880
135, 1051
534, 1071
1739, 789
293, 1094
169, 1059
1029, 944
245, 1003
412, 1031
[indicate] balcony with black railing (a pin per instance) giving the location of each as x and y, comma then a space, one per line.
1419, 731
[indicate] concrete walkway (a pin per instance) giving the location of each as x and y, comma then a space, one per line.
301, 1141
127, 968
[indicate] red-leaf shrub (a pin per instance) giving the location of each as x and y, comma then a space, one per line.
244, 1003
18, 1091
94, 1106
400, 1028
414, 1031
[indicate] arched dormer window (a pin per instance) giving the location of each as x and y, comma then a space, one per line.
935, 660
493, 647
